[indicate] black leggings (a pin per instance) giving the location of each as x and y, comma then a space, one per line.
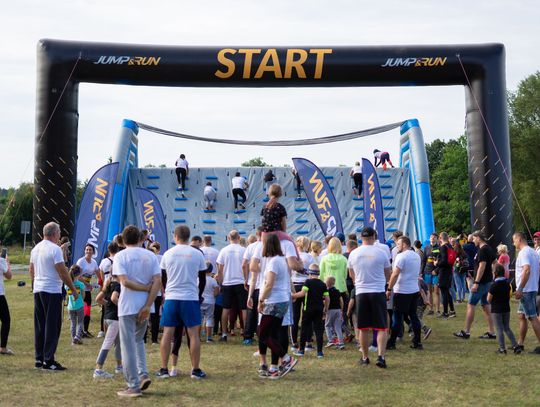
358, 182
238, 192
268, 333
446, 299
5, 318
297, 312
181, 176
154, 319
252, 317
88, 302
312, 321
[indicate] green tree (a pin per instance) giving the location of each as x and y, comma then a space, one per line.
255, 162
16, 206
450, 188
434, 151
525, 150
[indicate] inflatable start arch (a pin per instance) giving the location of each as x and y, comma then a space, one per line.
62, 65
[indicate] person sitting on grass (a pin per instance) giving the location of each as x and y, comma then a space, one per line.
499, 298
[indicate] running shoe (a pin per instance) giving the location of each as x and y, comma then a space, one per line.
430, 312
209, 340
298, 353
488, 335
288, 365
223, 339
53, 367
320, 355
197, 374
256, 354
263, 371
364, 362
38, 364
518, 349
442, 316
417, 346
7, 351
274, 374
87, 334
102, 374
501, 351
462, 334
248, 342
427, 332
118, 369
372, 348
309, 347
163, 373
340, 346
329, 345
381, 362
145, 382
129, 393
452, 314
173, 372
535, 351
294, 347
101, 334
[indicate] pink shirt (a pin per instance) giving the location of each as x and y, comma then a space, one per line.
504, 259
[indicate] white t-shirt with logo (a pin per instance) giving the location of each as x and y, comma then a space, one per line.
211, 255
88, 270
140, 266
3, 269
528, 256
409, 263
231, 258
368, 263
208, 293
182, 264
238, 182
44, 256
282, 282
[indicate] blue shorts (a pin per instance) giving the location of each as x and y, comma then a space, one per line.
181, 313
527, 305
480, 295
431, 279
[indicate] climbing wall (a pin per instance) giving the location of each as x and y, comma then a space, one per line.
190, 210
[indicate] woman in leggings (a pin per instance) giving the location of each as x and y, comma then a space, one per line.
5, 319
356, 174
182, 171
273, 304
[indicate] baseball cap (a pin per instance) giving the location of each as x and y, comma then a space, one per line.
368, 232
313, 269
340, 236
536, 234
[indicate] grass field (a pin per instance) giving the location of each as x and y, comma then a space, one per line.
449, 372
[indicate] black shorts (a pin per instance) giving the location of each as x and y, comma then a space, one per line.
234, 294
371, 311
406, 303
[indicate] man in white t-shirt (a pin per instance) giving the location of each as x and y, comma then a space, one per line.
404, 283
182, 264
47, 272
139, 274
356, 174
239, 185
527, 274
250, 325
182, 171
233, 280
210, 254
370, 269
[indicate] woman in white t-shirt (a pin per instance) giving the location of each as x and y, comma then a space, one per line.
356, 174
89, 268
298, 280
239, 185
273, 304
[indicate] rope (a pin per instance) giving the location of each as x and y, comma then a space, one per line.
494, 145
275, 143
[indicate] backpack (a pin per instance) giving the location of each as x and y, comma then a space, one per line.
451, 253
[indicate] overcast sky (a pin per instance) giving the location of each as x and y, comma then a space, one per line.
249, 113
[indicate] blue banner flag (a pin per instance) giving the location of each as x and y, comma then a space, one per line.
320, 196
373, 208
152, 218
94, 213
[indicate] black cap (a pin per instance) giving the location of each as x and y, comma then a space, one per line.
368, 231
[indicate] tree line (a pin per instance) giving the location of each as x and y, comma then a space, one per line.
447, 165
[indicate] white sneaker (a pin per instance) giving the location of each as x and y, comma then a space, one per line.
101, 334
173, 372
373, 348
256, 354
102, 374
118, 370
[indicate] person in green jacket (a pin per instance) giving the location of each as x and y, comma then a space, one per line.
334, 264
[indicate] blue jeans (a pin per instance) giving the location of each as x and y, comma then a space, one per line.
133, 353
461, 287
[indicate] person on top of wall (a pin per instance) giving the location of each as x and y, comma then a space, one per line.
383, 157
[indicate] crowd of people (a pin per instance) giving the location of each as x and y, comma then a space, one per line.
284, 294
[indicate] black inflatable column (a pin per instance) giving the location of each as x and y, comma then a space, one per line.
55, 166
489, 151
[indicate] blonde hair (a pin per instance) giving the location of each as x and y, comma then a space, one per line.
502, 248
302, 243
334, 246
315, 247
274, 191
